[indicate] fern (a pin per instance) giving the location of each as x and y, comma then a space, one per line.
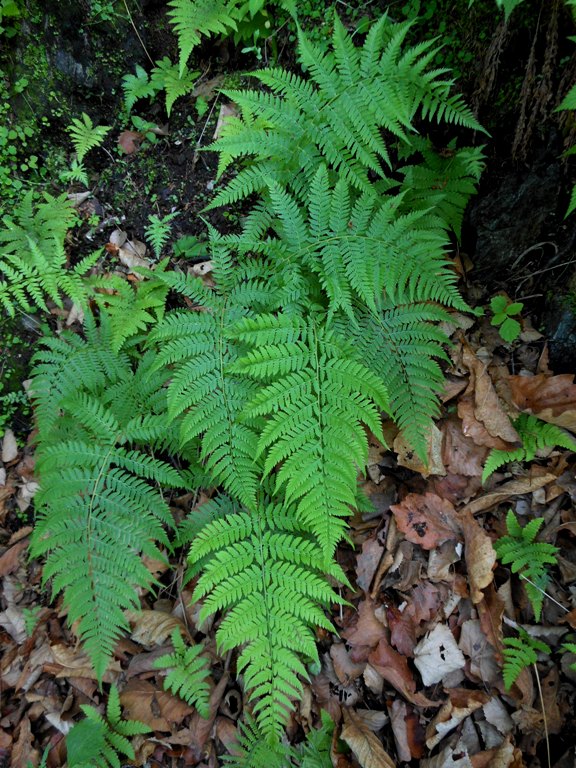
158, 231
136, 87
254, 751
337, 114
268, 578
33, 258
317, 397
193, 19
536, 435
176, 82
527, 557
187, 673
85, 135
96, 741
519, 653
96, 508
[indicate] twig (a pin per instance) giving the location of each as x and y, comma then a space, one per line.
137, 33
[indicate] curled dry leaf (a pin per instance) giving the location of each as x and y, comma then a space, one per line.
129, 141
426, 519
518, 487
366, 746
151, 628
452, 713
408, 458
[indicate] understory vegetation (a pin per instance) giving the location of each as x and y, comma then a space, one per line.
255, 368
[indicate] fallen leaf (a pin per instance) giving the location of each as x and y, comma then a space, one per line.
474, 645
437, 654
504, 756
479, 553
451, 714
366, 632
408, 732
346, 670
151, 628
517, 487
394, 669
132, 253
407, 457
550, 398
426, 520
365, 745
9, 447
129, 141
367, 562
11, 558
227, 111
461, 455
158, 709
23, 751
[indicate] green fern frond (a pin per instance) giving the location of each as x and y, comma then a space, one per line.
317, 398
175, 81
131, 307
33, 259
187, 673
158, 231
136, 87
195, 346
85, 135
268, 578
519, 653
401, 346
97, 507
97, 741
536, 435
193, 19
338, 113
527, 557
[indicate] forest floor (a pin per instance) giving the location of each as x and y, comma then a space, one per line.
414, 675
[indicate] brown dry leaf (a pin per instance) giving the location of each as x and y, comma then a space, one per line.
451, 714
206, 88
366, 746
9, 447
479, 553
461, 455
449, 757
517, 487
426, 520
474, 645
23, 750
490, 612
408, 458
151, 628
132, 255
425, 603
550, 398
158, 709
408, 732
70, 662
366, 632
487, 407
10, 560
394, 668
129, 141
346, 670
504, 756
200, 727
367, 562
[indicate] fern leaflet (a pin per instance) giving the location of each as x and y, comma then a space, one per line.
85, 135
520, 652
192, 19
187, 673
536, 435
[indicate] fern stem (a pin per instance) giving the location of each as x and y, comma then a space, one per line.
545, 720
137, 33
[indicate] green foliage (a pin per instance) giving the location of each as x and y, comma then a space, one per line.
164, 76
97, 741
520, 652
527, 557
507, 5
85, 135
536, 435
187, 673
158, 231
317, 397
98, 507
254, 751
11, 11
33, 257
503, 317
266, 574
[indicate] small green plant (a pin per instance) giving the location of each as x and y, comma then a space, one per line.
187, 673
97, 741
536, 435
165, 76
527, 557
519, 653
503, 312
158, 231
85, 135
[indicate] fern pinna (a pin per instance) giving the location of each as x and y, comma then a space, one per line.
97, 507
